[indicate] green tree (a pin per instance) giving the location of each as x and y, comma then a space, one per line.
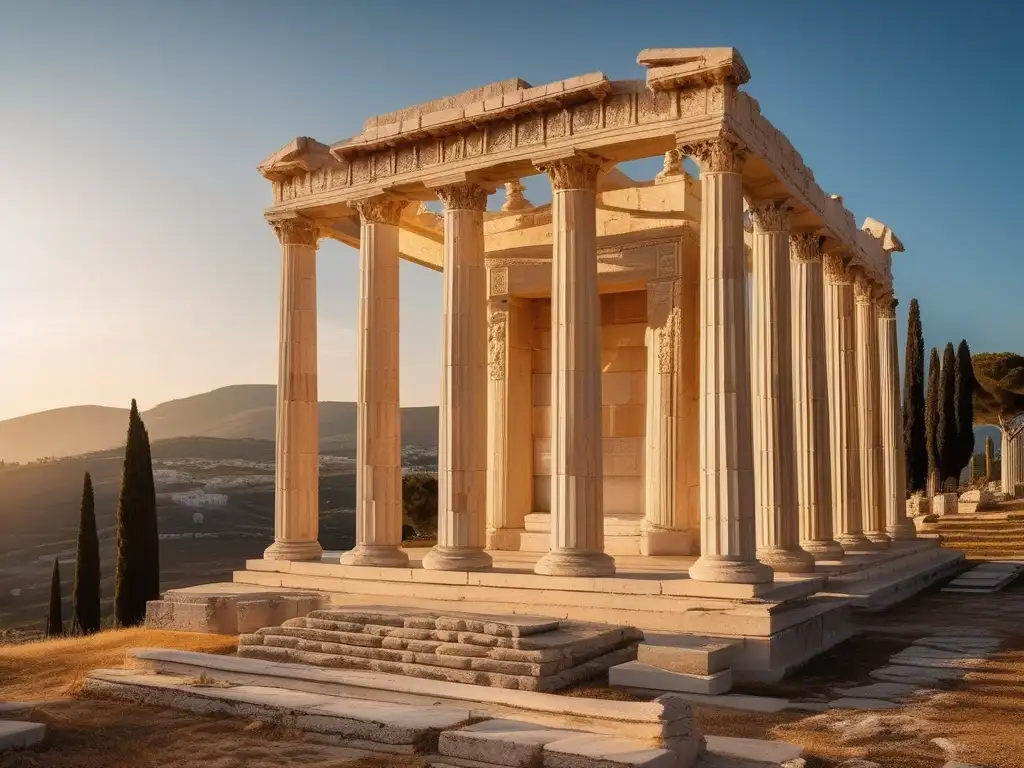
54, 617
419, 502
151, 531
914, 431
136, 514
998, 387
87, 565
964, 398
945, 431
931, 411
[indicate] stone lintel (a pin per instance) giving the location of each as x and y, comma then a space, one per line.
302, 154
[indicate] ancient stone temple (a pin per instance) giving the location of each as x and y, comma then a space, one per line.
672, 404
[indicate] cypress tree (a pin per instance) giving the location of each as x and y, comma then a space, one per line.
945, 432
54, 619
914, 431
931, 412
151, 532
989, 452
87, 565
964, 404
135, 527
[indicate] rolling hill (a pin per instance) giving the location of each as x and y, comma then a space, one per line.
242, 412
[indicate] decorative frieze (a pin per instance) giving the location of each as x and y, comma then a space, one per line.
576, 172
296, 231
722, 154
382, 209
463, 196
498, 283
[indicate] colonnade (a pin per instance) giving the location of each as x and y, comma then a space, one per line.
798, 462
1011, 461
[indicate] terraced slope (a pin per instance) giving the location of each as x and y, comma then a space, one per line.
986, 536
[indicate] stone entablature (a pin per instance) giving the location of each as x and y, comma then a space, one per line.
689, 95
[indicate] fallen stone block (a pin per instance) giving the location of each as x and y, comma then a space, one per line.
589, 751
635, 674
687, 655
18, 735
501, 742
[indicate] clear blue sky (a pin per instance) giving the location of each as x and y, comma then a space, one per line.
134, 260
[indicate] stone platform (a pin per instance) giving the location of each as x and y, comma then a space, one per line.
777, 626
453, 724
514, 651
233, 610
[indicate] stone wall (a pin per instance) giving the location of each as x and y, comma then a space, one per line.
623, 383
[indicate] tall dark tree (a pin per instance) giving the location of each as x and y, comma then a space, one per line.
136, 528
931, 412
914, 432
151, 533
945, 432
964, 405
87, 565
54, 616
989, 455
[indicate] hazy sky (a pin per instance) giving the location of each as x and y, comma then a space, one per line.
135, 262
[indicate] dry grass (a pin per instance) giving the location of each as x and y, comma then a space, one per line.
50, 669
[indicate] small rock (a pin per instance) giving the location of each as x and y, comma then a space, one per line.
946, 745
255, 725
796, 762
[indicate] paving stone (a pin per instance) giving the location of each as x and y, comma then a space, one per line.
501, 742
896, 673
18, 735
853, 702
589, 751
923, 656
686, 655
760, 750
889, 691
635, 674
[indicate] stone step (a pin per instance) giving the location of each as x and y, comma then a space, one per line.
686, 653
15, 734
884, 592
227, 609
635, 674
295, 650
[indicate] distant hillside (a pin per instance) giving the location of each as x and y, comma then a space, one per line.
243, 412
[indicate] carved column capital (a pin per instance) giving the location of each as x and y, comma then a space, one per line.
836, 269
673, 165
464, 196
863, 289
381, 209
770, 215
887, 304
805, 246
296, 231
721, 154
576, 172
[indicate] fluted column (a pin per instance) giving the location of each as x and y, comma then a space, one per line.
297, 451
728, 530
894, 467
810, 399
378, 427
842, 405
869, 423
1004, 465
672, 408
1012, 461
461, 464
778, 526
577, 499
510, 395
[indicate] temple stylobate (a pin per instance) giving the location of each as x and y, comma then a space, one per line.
680, 392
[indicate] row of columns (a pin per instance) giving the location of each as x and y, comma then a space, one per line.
1011, 461
824, 394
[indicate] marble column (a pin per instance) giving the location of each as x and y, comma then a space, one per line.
775, 495
297, 467
671, 482
577, 499
1004, 465
461, 464
510, 395
810, 399
378, 427
894, 467
728, 529
841, 367
869, 423
1012, 462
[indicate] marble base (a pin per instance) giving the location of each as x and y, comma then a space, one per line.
786, 560
823, 550
730, 571
387, 557
575, 564
905, 531
856, 542
660, 542
880, 539
456, 559
293, 550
